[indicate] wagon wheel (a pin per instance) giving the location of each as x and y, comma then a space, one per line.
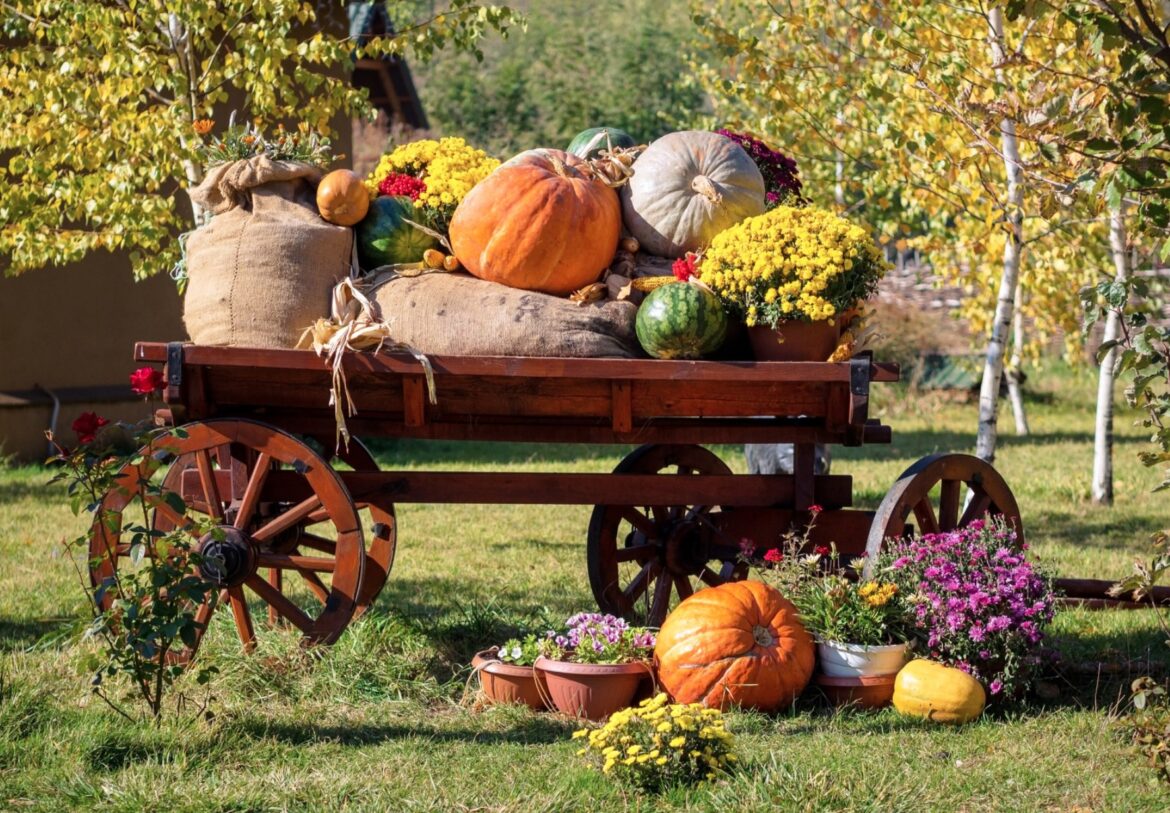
384, 525
642, 557
914, 506
382, 521
253, 535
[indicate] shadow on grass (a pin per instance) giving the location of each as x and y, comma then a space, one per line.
26, 633
393, 453
530, 731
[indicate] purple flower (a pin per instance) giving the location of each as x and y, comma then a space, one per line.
996, 686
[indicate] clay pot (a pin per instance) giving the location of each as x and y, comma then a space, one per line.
509, 683
795, 341
864, 691
591, 691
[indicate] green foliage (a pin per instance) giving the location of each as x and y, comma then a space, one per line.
581, 64
143, 613
99, 101
241, 143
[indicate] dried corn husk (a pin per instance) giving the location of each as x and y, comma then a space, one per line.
355, 326
594, 292
648, 284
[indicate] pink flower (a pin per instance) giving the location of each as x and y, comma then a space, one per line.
815, 509
87, 425
774, 556
146, 380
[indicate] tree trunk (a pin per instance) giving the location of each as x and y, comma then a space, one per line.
1014, 370
1006, 300
1103, 429
839, 169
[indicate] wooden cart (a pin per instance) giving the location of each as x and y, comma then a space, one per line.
668, 520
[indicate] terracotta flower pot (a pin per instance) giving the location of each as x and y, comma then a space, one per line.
864, 691
795, 341
509, 683
591, 691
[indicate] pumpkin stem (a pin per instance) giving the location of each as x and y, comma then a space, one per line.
762, 635
558, 166
703, 185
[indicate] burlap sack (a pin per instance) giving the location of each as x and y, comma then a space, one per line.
459, 315
262, 270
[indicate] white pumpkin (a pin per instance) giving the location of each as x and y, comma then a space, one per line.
687, 187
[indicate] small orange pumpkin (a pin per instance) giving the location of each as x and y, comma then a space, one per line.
342, 198
740, 643
539, 222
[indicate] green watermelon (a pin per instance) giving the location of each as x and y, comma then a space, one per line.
385, 238
618, 138
681, 320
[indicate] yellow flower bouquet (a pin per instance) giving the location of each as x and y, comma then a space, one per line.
436, 175
792, 264
661, 744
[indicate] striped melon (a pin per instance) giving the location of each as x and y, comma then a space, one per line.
681, 321
385, 238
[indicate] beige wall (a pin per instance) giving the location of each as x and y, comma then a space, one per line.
75, 327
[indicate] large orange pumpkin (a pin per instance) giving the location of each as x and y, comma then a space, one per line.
736, 644
539, 222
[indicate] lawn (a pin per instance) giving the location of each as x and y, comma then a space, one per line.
383, 722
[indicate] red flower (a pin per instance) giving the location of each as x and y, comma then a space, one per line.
401, 184
146, 380
774, 556
821, 550
684, 267
815, 509
87, 425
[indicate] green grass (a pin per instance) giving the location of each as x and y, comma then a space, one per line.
382, 722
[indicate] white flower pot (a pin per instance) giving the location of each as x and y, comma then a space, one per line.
855, 660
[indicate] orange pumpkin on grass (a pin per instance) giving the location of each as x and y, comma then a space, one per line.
540, 222
736, 644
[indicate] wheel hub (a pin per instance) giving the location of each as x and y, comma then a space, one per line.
227, 556
684, 551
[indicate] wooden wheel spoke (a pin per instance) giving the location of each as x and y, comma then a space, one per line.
288, 519
682, 584
177, 520
924, 513
318, 543
634, 590
243, 618
210, 486
320, 515
280, 561
276, 579
639, 520
710, 577
661, 602
281, 602
634, 553
320, 590
980, 504
251, 496
948, 504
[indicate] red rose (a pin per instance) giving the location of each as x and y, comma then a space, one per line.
774, 556
87, 425
821, 550
146, 380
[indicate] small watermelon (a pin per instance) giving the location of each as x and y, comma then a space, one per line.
385, 238
580, 145
681, 321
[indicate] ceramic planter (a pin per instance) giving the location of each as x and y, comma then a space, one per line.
591, 691
509, 683
857, 660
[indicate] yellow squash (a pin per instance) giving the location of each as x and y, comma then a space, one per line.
941, 693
